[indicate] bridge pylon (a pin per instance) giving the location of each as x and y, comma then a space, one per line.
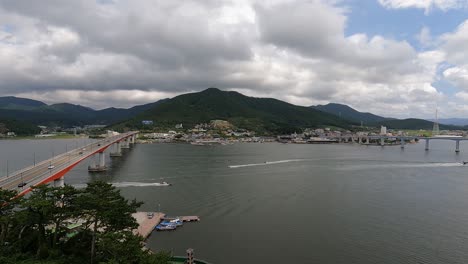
118, 151
102, 164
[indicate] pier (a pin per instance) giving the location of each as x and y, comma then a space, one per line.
146, 225
191, 218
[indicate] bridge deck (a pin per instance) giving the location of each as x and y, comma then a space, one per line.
56, 167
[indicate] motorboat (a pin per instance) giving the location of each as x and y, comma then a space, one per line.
176, 222
464, 162
164, 184
162, 227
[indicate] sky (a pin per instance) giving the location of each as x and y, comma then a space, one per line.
396, 58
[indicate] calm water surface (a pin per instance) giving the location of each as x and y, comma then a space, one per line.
306, 204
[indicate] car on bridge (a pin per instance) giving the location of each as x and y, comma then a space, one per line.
21, 185
51, 167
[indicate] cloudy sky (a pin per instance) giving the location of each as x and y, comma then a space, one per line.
398, 58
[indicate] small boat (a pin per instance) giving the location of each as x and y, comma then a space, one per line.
164, 184
465, 162
176, 222
161, 227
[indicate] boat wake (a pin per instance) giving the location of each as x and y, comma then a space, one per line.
403, 165
264, 163
128, 184
138, 184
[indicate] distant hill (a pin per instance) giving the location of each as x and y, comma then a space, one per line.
453, 121
15, 103
372, 120
20, 128
63, 114
414, 123
257, 114
349, 113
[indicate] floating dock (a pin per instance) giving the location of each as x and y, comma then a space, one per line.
146, 225
190, 218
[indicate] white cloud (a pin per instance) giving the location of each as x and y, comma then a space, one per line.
96, 99
105, 55
424, 37
455, 44
427, 5
458, 76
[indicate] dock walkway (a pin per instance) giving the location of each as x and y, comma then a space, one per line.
190, 218
145, 224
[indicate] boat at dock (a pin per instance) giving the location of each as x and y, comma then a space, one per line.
176, 222
191, 218
162, 227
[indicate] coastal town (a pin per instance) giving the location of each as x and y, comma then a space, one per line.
224, 133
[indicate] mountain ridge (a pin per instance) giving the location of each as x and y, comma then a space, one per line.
257, 114
347, 112
64, 114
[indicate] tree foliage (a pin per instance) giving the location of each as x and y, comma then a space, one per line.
66, 225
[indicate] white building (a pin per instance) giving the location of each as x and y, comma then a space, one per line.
383, 130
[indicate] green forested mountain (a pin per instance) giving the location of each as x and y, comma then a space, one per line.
11, 102
371, 120
257, 114
19, 127
64, 114
349, 113
413, 123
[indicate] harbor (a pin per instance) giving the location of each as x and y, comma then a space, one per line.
149, 221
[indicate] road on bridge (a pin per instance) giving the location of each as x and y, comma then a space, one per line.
23, 179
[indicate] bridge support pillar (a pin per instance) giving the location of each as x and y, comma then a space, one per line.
118, 152
402, 143
102, 159
427, 145
382, 141
102, 164
360, 140
353, 140
125, 143
368, 140
457, 146
60, 182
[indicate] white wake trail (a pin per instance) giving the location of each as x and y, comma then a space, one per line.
264, 163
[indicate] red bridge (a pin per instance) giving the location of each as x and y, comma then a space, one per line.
55, 168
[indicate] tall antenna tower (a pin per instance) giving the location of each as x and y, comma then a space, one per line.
435, 128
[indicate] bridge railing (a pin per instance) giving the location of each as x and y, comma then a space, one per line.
90, 145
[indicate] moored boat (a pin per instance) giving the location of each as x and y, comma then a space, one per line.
162, 227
